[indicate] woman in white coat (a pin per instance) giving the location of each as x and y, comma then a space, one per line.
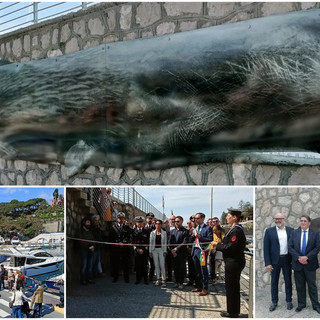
17, 297
158, 250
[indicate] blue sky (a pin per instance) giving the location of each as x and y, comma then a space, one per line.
186, 201
25, 193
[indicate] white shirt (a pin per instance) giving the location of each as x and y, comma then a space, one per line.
283, 240
307, 235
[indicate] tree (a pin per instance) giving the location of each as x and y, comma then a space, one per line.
55, 194
223, 218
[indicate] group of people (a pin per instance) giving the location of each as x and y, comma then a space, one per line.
163, 249
287, 249
20, 302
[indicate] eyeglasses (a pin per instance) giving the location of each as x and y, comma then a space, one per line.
214, 221
278, 218
177, 221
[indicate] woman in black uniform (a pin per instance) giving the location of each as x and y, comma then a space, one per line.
232, 247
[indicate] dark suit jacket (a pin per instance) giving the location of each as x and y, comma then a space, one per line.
271, 245
206, 235
312, 250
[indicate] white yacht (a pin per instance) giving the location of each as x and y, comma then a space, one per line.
32, 263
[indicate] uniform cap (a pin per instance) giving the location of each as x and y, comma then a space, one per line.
150, 215
121, 215
235, 212
139, 219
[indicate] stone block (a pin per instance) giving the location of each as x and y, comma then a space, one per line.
267, 175
315, 196
72, 46
55, 35
45, 40
33, 177
305, 176
147, 33
25, 59
271, 8
218, 177
20, 165
297, 207
53, 179
241, 173
90, 44
285, 200
96, 28
20, 181
148, 13
188, 25
109, 39
65, 33
79, 27
183, 8
82, 182
8, 47
165, 28
174, 176
36, 54
3, 164
2, 49
220, 9
4, 180
125, 17
91, 170
304, 197
43, 166
26, 43
54, 53
195, 174
152, 174
111, 19
242, 16
35, 41
265, 210
308, 5
130, 36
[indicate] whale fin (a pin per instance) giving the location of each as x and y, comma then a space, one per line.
77, 157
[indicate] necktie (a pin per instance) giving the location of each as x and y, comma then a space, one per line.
304, 243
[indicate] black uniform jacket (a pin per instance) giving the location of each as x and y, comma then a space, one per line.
233, 244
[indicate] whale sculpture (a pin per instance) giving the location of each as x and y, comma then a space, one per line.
245, 91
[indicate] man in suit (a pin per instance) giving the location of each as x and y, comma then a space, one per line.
277, 257
177, 242
304, 246
203, 234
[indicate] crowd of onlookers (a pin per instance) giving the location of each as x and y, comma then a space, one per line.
16, 281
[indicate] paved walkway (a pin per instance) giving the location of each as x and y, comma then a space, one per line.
263, 301
47, 308
105, 299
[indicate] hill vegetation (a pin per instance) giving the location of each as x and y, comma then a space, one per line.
26, 218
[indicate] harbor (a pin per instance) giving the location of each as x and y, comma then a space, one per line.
32, 253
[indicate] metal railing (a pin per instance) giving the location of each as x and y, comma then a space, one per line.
246, 283
15, 15
126, 195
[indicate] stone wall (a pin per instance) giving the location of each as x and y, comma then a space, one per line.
292, 202
110, 22
29, 173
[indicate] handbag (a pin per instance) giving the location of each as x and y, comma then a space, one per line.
12, 302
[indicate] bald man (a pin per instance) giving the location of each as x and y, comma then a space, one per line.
277, 257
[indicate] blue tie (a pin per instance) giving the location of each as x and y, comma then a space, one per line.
304, 243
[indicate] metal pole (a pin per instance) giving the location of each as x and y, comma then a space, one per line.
211, 203
251, 288
35, 12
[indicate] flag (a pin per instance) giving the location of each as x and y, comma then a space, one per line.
162, 202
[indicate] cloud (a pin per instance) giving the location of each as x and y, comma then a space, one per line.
13, 190
45, 196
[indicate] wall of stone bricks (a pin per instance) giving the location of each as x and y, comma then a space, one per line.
292, 202
110, 22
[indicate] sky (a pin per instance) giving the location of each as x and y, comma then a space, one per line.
186, 201
26, 193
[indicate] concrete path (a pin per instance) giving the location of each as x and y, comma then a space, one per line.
105, 299
263, 301
50, 301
